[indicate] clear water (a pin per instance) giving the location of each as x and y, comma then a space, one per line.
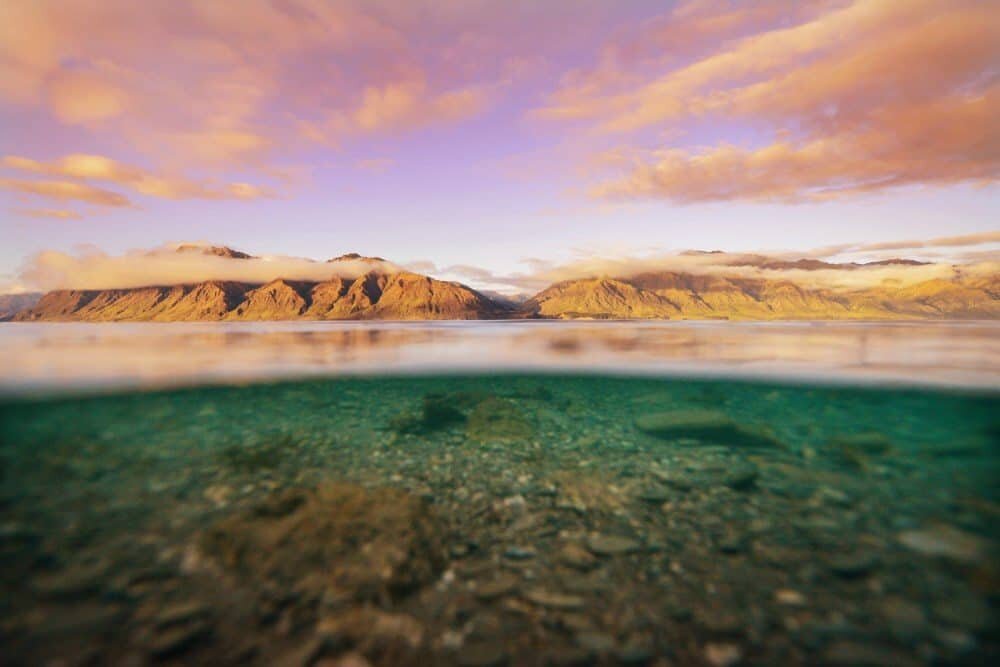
580, 494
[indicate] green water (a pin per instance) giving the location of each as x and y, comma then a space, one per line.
501, 520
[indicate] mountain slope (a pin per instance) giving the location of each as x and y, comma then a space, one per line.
381, 290
395, 296
12, 304
689, 296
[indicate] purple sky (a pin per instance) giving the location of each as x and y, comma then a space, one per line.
484, 133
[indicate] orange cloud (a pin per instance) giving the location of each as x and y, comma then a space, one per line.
100, 168
863, 96
66, 191
56, 213
201, 83
940, 143
84, 97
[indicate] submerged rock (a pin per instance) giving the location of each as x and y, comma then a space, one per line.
497, 419
856, 450
705, 425
612, 545
371, 545
947, 542
438, 412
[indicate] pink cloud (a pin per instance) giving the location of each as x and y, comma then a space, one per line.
860, 96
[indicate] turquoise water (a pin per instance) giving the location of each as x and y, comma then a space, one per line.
502, 518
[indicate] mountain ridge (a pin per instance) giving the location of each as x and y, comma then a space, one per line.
384, 291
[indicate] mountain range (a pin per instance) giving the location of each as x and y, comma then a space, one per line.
386, 293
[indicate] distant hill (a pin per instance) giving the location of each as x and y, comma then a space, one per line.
11, 304
671, 295
386, 292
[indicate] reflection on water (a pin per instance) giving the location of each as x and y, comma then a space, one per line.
52, 356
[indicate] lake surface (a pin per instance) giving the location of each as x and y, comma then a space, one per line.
500, 493
67, 356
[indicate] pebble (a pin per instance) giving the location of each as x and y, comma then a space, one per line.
656, 495
483, 654
906, 619
635, 653
519, 553
598, 642
575, 556
501, 586
178, 638
612, 545
965, 612
180, 613
846, 653
732, 544
945, 541
742, 477
789, 597
855, 564
555, 600
73, 583
723, 655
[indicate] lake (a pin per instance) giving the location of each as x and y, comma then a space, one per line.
500, 493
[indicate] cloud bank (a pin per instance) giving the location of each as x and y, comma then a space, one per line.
846, 98
93, 269
184, 263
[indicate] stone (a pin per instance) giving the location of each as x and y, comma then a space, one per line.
181, 613
906, 620
612, 545
845, 653
732, 543
723, 655
742, 477
945, 541
307, 542
482, 654
178, 639
597, 642
73, 583
568, 656
704, 426
519, 553
854, 564
656, 495
965, 611
789, 597
577, 557
551, 600
498, 420
371, 631
502, 585
635, 652
438, 412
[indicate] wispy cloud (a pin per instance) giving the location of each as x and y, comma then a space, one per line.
66, 191
856, 96
51, 213
141, 181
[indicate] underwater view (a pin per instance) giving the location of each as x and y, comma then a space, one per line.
600, 502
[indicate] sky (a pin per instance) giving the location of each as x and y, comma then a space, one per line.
497, 138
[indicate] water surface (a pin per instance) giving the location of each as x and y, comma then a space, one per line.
499, 493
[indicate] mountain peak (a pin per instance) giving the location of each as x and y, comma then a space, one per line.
218, 251
355, 257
